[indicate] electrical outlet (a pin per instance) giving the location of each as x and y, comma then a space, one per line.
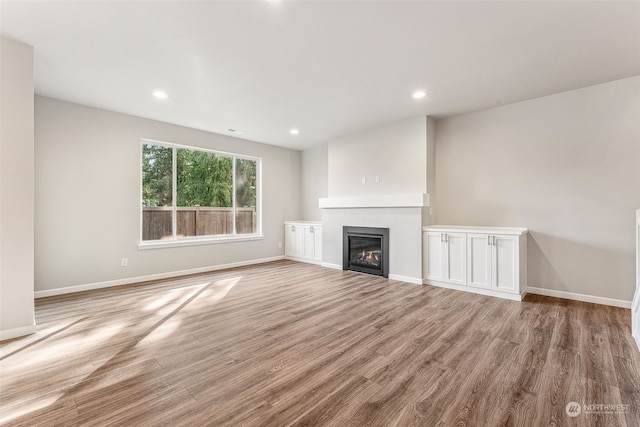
279, 245
377, 178
364, 179
125, 262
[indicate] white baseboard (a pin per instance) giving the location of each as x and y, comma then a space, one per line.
397, 277
333, 266
635, 316
580, 297
307, 260
479, 291
17, 332
131, 280
406, 279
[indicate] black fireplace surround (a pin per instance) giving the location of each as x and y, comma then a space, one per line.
366, 249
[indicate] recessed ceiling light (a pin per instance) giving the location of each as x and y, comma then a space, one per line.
294, 131
418, 94
232, 130
160, 94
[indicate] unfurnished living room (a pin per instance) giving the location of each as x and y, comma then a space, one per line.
319, 213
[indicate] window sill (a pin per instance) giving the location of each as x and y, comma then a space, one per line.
157, 244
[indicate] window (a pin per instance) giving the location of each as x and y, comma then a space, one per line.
191, 194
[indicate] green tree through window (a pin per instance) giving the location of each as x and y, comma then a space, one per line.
204, 179
245, 183
210, 199
157, 170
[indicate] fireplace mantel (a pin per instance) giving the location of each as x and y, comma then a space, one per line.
411, 200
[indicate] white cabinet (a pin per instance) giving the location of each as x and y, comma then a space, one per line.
290, 240
479, 266
494, 259
317, 250
493, 262
445, 256
303, 241
312, 242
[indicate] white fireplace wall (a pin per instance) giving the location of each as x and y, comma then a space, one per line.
405, 237
396, 153
314, 181
399, 154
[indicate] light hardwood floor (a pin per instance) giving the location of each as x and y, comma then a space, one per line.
287, 343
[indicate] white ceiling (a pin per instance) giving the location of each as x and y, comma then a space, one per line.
324, 67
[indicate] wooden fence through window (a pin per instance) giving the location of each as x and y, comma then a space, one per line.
196, 221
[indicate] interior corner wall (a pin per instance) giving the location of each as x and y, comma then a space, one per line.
314, 182
16, 190
396, 153
428, 213
87, 193
566, 166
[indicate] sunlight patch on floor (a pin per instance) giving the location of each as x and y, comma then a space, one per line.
218, 290
169, 296
24, 408
161, 332
48, 351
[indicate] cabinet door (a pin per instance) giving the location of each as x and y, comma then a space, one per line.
289, 240
318, 244
435, 255
479, 263
455, 258
505, 263
309, 242
299, 236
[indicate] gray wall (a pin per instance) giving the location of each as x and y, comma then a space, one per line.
567, 167
87, 178
314, 181
16, 190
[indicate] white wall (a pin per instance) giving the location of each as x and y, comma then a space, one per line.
314, 181
567, 167
635, 308
88, 203
396, 152
16, 190
405, 237
429, 213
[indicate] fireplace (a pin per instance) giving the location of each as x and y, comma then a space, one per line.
366, 249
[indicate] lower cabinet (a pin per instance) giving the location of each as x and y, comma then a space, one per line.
303, 241
493, 262
486, 260
445, 256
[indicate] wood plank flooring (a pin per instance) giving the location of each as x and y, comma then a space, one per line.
292, 344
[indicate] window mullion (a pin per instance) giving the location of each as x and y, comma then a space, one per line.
174, 195
233, 195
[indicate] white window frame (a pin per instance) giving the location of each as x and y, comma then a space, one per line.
200, 240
